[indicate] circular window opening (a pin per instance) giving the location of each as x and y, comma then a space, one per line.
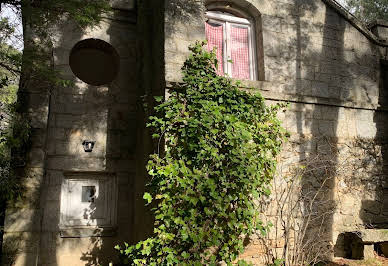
94, 61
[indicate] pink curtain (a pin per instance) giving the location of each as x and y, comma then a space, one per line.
214, 36
240, 52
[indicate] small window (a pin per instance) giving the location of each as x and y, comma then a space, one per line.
233, 38
88, 204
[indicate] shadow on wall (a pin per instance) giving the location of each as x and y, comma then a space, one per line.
128, 141
121, 101
374, 213
182, 13
309, 234
329, 69
324, 128
368, 180
23, 217
101, 110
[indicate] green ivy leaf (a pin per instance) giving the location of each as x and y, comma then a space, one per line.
147, 196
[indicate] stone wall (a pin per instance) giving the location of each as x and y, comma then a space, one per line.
61, 119
329, 71
150, 30
326, 65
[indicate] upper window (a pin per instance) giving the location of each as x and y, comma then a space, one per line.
234, 41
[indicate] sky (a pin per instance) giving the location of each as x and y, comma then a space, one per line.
15, 20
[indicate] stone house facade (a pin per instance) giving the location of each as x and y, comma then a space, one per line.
85, 176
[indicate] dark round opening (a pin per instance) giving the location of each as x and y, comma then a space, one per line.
94, 61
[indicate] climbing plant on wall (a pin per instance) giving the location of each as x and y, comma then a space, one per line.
219, 156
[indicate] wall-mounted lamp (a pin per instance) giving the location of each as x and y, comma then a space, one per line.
88, 145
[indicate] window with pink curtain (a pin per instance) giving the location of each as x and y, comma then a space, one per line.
239, 52
233, 36
215, 38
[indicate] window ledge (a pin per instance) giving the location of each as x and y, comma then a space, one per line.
89, 231
244, 84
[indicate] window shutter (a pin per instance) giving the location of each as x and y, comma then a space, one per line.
240, 52
214, 36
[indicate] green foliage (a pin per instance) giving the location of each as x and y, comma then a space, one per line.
41, 15
220, 148
278, 262
369, 10
14, 128
38, 18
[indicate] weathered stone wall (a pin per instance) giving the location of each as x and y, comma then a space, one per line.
62, 119
330, 73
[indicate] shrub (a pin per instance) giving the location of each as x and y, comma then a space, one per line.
220, 145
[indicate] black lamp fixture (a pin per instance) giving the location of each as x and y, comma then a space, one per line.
88, 145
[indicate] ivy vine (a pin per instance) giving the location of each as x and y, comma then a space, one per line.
220, 146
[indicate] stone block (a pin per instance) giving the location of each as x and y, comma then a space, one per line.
175, 57
22, 220
323, 77
253, 251
121, 165
51, 212
366, 129
54, 178
125, 211
48, 257
33, 176
38, 101
38, 137
69, 163
75, 108
38, 118
327, 128
53, 193
173, 72
369, 252
56, 133
272, 23
66, 120
36, 158
49, 242
320, 89
61, 56
123, 4
20, 259
124, 178
342, 129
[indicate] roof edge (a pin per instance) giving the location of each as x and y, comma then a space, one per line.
357, 23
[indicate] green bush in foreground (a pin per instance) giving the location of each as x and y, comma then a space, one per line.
220, 148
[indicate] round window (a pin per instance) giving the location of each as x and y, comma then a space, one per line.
94, 61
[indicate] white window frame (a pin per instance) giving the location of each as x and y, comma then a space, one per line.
75, 226
229, 20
